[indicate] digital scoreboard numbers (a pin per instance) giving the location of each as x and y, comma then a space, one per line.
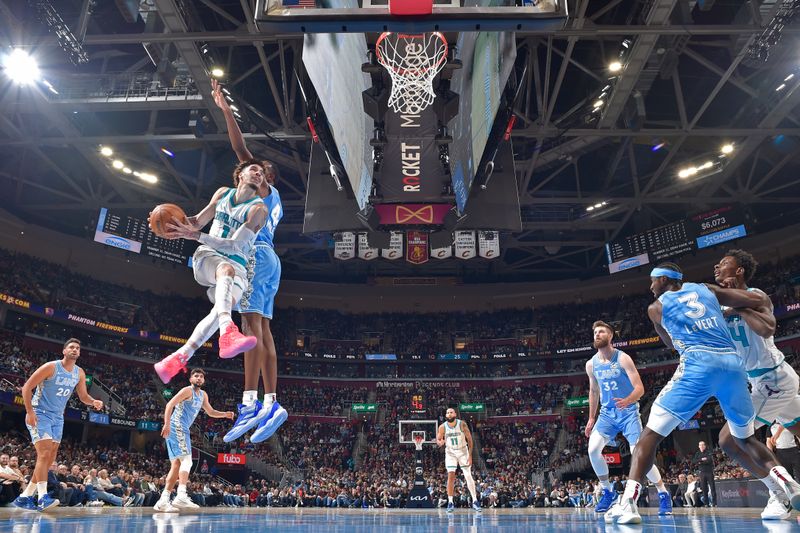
417, 403
134, 235
696, 232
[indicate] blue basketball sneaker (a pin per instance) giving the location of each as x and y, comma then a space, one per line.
606, 500
476, 506
664, 503
450, 507
276, 417
249, 417
46, 502
25, 502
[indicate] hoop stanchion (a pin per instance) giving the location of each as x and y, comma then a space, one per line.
413, 61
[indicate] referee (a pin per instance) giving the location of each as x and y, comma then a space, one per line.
784, 445
704, 461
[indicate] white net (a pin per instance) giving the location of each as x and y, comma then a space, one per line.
413, 61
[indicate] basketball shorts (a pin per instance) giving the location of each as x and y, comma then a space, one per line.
48, 427
179, 443
775, 396
456, 458
698, 378
611, 422
205, 263
264, 276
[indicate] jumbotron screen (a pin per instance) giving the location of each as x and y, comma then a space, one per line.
134, 235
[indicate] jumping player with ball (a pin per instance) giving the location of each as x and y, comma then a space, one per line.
220, 262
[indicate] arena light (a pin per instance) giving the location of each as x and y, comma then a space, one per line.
149, 178
166, 151
787, 78
106, 151
217, 72
127, 170
780, 87
21, 67
118, 164
726, 148
614, 66
598, 104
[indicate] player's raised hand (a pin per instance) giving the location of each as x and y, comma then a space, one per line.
31, 420
97, 404
589, 427
219, 98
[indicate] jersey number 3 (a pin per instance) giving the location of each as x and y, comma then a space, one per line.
697, 309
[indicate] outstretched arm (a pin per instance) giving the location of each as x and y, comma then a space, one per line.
84, 395
213, 413
761, 321
239, 243
234, 133
740, 298
594, 398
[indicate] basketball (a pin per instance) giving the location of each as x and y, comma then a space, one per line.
164, 214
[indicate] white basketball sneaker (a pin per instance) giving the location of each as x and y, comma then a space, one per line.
164, 506
624, 511
778, 507
182, 501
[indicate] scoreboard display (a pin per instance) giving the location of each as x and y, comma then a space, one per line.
693, 233
417, 403
134, 235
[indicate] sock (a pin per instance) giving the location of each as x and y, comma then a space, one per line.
605, 484
633, 489
181, 490
449, 499
41, 487
772, 484
222, 301
165, 494
29, 491
781, 477
249, 397
202, 332
269, 398
655, 478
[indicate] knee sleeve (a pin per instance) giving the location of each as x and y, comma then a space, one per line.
596, 444
186, 464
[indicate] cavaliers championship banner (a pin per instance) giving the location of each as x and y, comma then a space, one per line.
465, 244
442, 253
417, 247
416, 214
364, 250
395, 249
345, 248
488, 244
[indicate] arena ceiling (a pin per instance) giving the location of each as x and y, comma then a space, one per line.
691, 82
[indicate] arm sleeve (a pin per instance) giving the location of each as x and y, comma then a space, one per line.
239, 243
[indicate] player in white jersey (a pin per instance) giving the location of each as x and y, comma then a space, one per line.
220, 263
773, 383
456, 438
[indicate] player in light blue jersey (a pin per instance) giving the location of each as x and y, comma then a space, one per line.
256, 306
773, 382
688, 317
615, 385
179, 415
46, 394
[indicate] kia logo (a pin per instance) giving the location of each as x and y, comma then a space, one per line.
418, 498
118, 242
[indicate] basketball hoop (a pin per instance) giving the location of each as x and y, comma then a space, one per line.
419, 439
413, 61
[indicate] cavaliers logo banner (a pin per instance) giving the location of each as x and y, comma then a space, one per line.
488, 244
416, 214
417, 247
395, 249
442, 253
346, 248
465, 244
364, 251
